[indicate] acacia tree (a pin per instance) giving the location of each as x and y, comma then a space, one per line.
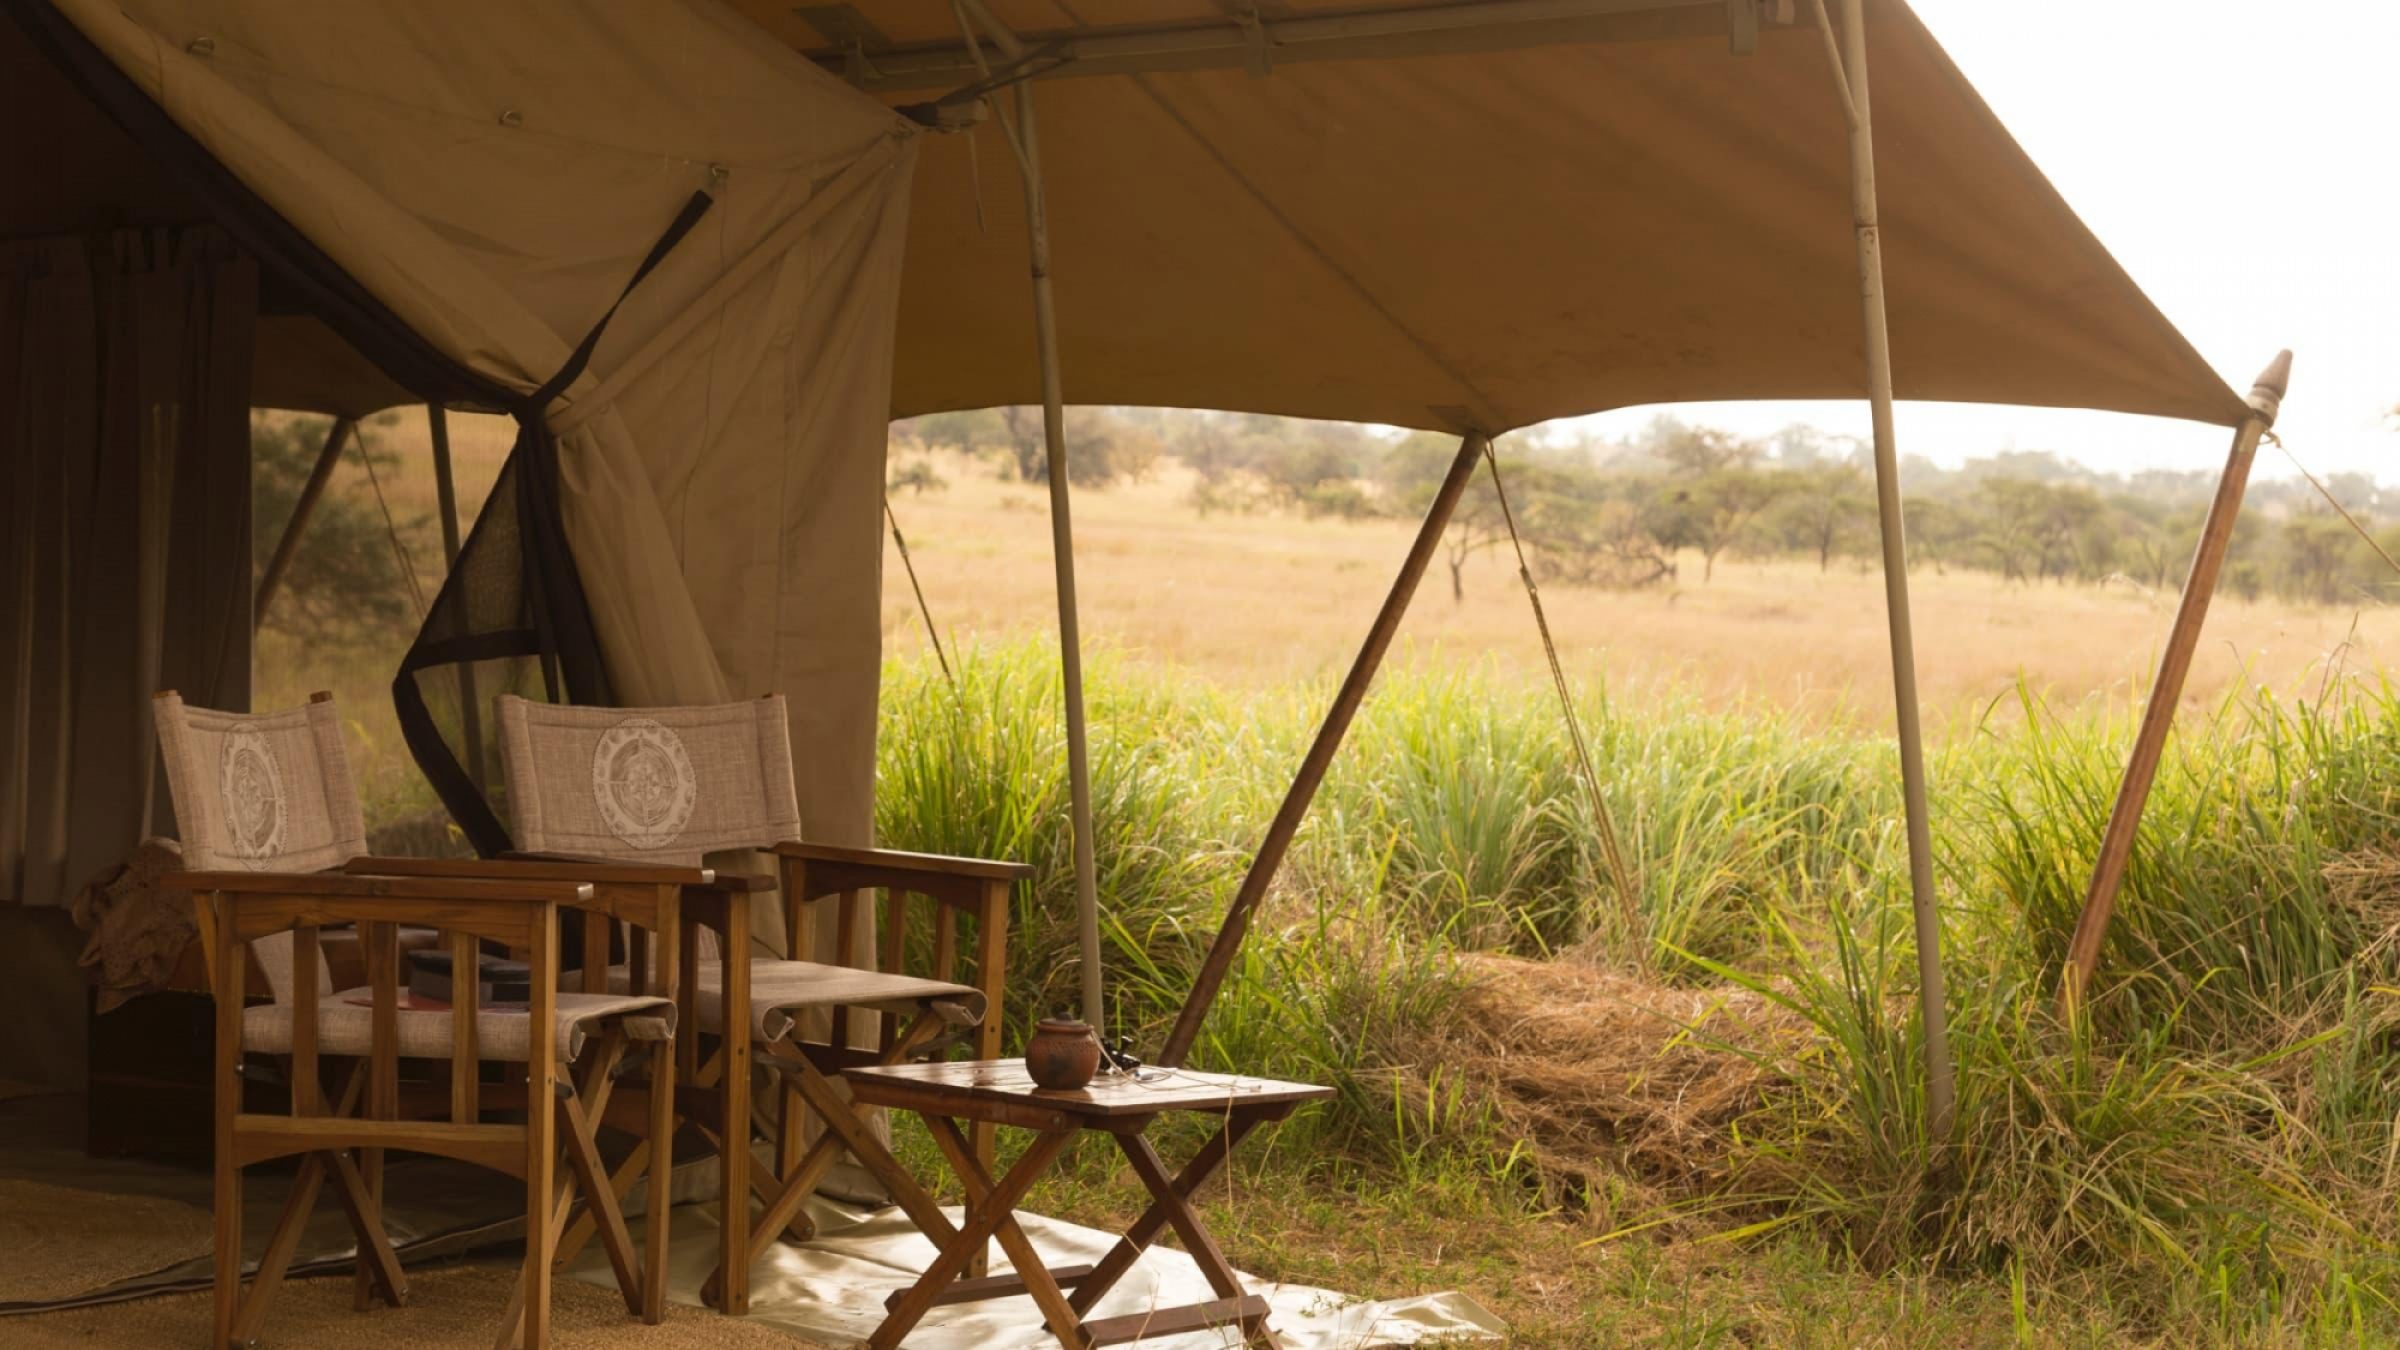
1717, 489
1821, 508
1713, 511
1412, 471
2314, 545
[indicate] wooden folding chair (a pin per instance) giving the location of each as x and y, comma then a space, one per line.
673, 785
266, 802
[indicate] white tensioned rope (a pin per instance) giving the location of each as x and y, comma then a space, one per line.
2339, 509
1620, 875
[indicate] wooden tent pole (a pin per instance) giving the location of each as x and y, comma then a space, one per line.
2200, 585
1940, 1089
281, 560
1320, 755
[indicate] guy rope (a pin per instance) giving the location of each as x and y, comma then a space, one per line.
1619, 873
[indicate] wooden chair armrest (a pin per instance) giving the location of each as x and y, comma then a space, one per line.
346, 886
537, 867
742, 883
904, 866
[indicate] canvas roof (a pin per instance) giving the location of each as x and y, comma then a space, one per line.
1556, 217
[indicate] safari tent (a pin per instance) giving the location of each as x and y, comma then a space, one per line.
1459, 217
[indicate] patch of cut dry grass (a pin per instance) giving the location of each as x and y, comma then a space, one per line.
1603, 1076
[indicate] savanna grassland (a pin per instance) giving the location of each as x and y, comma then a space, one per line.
1697, 1118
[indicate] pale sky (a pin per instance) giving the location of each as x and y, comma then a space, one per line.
2241, 158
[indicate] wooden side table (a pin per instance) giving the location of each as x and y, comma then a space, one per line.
999, 1092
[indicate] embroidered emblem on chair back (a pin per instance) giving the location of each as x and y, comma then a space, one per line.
643, 783
251, 787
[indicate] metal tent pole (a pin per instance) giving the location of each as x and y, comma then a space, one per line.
1850, 71
1062, 526
1062, 556
2166, 691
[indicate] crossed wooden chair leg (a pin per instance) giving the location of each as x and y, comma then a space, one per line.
581, 1104
379, 1264
786, 1193
653, 1119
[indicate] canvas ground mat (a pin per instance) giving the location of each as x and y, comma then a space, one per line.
832, 1289
449, 1306
60, 1244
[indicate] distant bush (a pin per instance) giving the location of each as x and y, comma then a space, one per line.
916, 476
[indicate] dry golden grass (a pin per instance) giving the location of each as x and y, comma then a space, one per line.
1268, 598
1262, 599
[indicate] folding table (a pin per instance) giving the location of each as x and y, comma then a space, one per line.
1000, 1092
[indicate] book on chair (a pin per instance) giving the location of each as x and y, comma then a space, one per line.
499, 982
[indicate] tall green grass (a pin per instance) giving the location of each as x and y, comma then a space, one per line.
2212, 1146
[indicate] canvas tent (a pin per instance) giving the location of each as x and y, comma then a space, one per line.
1457, 216
730, 424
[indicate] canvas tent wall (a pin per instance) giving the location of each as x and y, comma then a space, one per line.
1512, 210
485, 180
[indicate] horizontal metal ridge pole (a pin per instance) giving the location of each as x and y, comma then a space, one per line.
1126, 50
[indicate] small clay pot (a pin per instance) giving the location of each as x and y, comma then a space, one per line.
1063, 1054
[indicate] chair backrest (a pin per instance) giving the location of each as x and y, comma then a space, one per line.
262, 792
659, 785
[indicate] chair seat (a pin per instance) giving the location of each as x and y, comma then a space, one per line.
346, 1021
781, 990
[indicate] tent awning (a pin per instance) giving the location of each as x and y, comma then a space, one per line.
1499, 234
1493, 224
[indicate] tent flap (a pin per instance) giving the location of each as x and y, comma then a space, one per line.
492, 175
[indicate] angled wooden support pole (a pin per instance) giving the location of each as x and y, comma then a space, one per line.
1320, 755
2141, 769
281, 560
1851, 78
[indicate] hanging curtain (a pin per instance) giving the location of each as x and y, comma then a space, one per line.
125, 456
